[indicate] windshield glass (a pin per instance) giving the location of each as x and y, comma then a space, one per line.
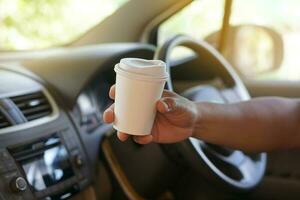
28, 24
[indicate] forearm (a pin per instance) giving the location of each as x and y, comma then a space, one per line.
262, 124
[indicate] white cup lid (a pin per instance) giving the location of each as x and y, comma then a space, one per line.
153, 68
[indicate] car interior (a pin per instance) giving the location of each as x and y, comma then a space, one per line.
54, 144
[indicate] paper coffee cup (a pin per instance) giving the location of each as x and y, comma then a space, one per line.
139, 85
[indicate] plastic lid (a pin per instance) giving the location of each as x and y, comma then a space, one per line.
152, 68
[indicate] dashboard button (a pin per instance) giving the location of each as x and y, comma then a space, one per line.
78, 161
18, 184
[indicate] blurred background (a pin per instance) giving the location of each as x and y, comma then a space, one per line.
36, 24
262, 39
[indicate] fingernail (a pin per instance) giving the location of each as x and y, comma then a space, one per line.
168, 106
106, 112
136, 140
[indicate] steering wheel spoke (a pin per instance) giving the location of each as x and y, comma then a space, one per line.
237, 159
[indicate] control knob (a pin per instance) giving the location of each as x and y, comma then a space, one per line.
18, 184
78, 161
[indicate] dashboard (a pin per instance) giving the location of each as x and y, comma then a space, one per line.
40, 151
53, 141
51, 125
91, 103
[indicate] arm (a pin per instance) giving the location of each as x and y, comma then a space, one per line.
261, 124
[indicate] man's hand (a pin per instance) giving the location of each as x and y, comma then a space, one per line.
175, 119
261, 124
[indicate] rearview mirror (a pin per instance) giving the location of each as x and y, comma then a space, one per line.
251, 49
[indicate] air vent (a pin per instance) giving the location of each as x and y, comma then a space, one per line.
3, 121
33, 105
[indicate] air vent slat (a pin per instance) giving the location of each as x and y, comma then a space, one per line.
3, 121
4, 124
36, 109
36, 116
25, 104
33, 106
28, 96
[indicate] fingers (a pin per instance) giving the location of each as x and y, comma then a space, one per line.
166, 104
168, 93
143, 139
122, 136
162, 107
108, 115
112, 92
138, 139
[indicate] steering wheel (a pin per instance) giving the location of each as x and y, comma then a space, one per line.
233, 169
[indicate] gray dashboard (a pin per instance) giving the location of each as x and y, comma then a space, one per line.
66, 78
69, 70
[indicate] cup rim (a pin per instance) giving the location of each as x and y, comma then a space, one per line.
131, 75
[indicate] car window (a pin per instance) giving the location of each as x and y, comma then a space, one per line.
198, 19
281, 16
28, 24
264, 38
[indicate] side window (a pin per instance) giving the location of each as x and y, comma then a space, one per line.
199, 19
263, 40
272, 49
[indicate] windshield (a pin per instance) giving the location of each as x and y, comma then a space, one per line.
29, 24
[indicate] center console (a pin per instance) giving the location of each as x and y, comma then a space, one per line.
50, 167
41, 153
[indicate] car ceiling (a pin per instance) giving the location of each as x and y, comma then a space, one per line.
132, 21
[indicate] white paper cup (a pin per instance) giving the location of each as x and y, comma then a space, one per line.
137, 92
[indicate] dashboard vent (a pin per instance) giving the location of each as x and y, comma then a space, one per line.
33, 105
3, 121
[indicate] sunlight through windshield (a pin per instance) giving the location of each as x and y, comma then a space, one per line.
28, 24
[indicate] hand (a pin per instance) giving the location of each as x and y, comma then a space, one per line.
174, 120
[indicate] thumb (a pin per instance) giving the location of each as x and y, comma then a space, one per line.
178, 111
170, 105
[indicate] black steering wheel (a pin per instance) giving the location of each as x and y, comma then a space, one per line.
233, 169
